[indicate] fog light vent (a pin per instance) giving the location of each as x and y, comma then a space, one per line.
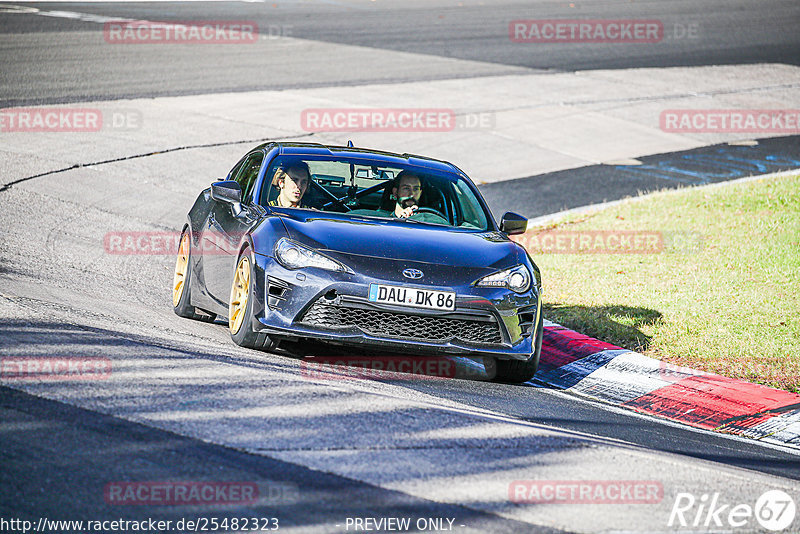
276, 291
526, 323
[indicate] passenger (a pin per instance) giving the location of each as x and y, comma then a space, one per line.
292, 182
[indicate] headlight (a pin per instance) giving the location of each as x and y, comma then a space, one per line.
516, 279
293, 255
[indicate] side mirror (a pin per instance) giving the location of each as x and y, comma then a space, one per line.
512, 223
228, 191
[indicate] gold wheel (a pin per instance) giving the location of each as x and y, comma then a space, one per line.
240, 292
181, 266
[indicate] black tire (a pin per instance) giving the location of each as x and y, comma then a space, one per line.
519, 371
183, 307
244, 336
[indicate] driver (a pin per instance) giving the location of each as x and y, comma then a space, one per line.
292, 183
405, 200
406, 192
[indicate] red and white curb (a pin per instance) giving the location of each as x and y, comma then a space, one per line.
599, 370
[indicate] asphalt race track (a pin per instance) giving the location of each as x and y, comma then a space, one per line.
183, 405
725, 33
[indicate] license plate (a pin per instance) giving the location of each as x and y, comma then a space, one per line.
412, 297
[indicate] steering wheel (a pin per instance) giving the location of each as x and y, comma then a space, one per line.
431, 210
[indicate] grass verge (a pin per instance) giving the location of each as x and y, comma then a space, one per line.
707, 278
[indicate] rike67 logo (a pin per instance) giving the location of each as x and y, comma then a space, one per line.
774, 511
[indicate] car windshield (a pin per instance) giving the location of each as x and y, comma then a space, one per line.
364, 188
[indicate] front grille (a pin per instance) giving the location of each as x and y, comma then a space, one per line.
402, 326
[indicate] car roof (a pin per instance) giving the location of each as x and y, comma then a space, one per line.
386, 158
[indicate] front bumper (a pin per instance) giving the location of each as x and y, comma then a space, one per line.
332, 307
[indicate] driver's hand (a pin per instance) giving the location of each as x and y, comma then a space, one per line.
407, 212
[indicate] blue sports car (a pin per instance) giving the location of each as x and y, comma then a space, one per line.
352, 247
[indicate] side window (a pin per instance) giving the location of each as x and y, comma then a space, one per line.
248, 173
235, 170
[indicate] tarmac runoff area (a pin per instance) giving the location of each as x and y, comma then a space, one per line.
495, 127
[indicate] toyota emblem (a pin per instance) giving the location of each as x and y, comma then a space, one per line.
414, 274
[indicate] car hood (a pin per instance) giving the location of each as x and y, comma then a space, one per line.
402, 240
